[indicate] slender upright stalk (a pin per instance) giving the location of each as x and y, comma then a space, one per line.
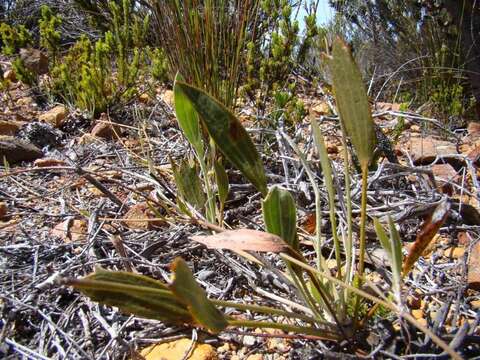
363, 223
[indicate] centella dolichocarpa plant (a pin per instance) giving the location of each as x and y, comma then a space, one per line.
321, 304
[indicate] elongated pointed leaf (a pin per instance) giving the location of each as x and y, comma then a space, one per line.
188, 183
352, 102
397, 256
133, 294
428, 230
187, 117
187, 290
280, 215
393, 247
229, 135
243, 240
222, 182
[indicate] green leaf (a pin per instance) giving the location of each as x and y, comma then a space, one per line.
397, 256
133, 294
185, 287
187, 117
188, 182
222, 182
393, 248
229, 135
352, 102
280, 215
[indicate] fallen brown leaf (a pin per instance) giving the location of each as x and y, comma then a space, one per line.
243, 239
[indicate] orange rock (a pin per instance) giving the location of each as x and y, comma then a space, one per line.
55, 117
177, 350
48, 163
138, 218
104, 128
425, 150
382, 106
463, 238
474, 156
320, 109
10, 75
332, 148
445, 175
3, 210
167, 97
473, 277
473, 129
71, 231
144, 98
9, 127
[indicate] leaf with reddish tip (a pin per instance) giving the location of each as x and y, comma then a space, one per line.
243, 240
428, 230
228, 133
187, 290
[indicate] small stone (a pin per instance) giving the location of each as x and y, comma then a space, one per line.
176, 350
15, 150
224, 348
417, 313
255, 357
144, 98
168, 97
48, 163
414, 301
475, 304
474, 156
10, 75
137, 218
3, 210
34, 60
104, 128
473, 129
249, 340
415, 128
445, 175
473, 277
320, 109
9, 127
463, 238
425, 150
332, 148
55, 117
25, 101
455, 252
71, 230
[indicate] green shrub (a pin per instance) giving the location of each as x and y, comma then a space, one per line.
96, 76
23, 74
12, 38
49, 35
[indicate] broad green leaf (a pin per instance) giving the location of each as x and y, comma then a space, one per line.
187, 290
352, 102
222, 182
397, 256
229, 135
188, 183
280, 215
187, 117
133, 294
